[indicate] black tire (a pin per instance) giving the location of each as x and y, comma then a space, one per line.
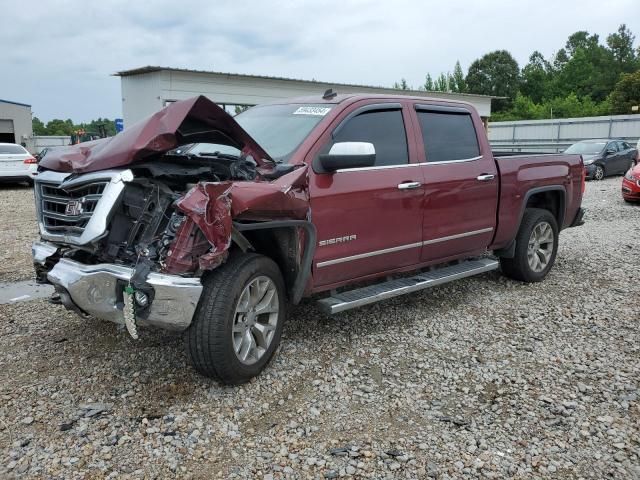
518, 267
599, 173
209, 341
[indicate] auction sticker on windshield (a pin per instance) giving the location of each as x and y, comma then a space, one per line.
319, 111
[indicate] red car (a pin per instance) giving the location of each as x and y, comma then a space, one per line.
631, 185
288, 200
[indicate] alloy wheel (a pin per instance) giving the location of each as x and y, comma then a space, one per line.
255, 319
599, 173
541, 243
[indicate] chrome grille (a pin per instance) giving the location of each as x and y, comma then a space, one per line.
55, 201
76, 209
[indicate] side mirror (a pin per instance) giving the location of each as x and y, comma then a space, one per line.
610, 151
348, 155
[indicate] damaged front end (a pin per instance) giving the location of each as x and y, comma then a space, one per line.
130, 243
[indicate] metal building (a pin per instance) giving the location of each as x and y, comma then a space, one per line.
557, 134
146, 90
15, 122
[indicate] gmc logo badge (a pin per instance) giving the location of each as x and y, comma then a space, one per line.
73, 208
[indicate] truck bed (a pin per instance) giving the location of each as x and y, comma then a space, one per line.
521, 175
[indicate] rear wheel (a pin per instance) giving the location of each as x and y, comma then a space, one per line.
536, 247
238, 323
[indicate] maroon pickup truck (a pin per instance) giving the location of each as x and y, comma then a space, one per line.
196, 221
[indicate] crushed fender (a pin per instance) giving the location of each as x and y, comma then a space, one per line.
286, 197
204, 237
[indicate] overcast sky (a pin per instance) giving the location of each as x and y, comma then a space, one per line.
59, 58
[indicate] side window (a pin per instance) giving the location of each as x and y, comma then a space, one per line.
383, 128
448, 136
624, 146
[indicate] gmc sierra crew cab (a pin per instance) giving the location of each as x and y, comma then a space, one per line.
195, 221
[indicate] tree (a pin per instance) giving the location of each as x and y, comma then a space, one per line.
458, 83
402, 85
621, 46
589, 69
38, 126
626, 93
581, 40
428, 83
536, 78
442, 83
68, 127
497, 74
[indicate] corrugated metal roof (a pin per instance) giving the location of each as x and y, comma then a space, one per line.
15, 103
151, 69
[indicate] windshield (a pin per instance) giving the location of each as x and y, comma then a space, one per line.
12, 150
588, 148
279, 129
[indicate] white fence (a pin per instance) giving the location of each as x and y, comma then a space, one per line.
556, 135
36, 143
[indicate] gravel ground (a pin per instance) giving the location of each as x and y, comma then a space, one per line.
486, 377
18, 230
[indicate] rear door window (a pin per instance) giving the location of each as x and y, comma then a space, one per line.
448, 136
384, 129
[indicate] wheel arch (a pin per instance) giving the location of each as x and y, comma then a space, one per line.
551, 198
280, 240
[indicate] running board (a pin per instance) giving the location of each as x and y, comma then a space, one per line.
342, 301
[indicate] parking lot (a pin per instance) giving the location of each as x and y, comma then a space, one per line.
485, 377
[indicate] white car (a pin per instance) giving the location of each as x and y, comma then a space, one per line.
16, 164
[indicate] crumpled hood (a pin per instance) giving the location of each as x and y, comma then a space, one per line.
194, 120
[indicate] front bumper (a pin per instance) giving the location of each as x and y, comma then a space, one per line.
97, 290
631, 189
590, 170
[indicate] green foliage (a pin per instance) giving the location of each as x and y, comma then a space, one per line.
38, 126
442, 83
402, 85
458, 83
496, 73
428, 83
536, 78
621, 46
68, 128
524, 108
626, 93
584, 78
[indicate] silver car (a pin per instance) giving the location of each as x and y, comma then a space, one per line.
16, 164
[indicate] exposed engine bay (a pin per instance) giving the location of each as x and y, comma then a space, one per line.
130, 224
151, 226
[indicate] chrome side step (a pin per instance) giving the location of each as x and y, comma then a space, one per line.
381, 291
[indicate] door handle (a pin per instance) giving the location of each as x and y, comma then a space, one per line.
409, 185
485, 177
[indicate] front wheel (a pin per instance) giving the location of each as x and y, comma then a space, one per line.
536, 247
238, 323
599, 173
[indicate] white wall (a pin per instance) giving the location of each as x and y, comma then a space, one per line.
144, 94
21, 116
141, 96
